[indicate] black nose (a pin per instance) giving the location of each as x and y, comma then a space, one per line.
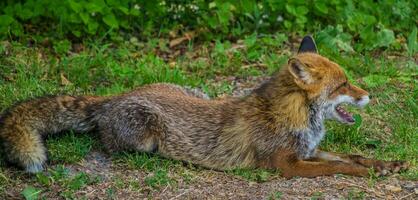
370, 96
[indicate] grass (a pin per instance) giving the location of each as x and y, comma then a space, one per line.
69, 148
387, 129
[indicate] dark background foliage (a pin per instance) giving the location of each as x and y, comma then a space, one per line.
371, 24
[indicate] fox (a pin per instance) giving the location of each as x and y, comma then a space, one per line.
279, 125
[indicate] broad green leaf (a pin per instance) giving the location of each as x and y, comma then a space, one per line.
92, 27
134, 11
412, 42
77, 33
334, 39
384, 38
111, 20
302, 10
6, 20
358, 121
321, 7
75, 6
248, 5
250, 40
112, 2
31, 193
85, 17
95, 6
25, 14
291, 9
124, 10
43, 179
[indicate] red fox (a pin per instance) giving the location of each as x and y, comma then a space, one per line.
278, 125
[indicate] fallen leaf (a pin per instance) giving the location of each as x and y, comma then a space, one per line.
64, 81
393, 188
177, 41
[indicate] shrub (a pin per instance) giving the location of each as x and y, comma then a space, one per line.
363, 20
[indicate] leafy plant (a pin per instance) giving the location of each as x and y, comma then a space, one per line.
376, 24
31, 193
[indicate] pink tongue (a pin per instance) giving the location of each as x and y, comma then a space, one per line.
344, 114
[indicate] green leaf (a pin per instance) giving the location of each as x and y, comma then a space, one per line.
291, 9
31, 193
287, 24
321, 7
124, 10
113, 3
111, 20
92, 27
384, 38
332, 37
43, 179
75, 6
250, 40
25, 14
134, 12
6, 20
62, 47
95, 6
302, 10
85, 17
412, 42
224, 13
358, 121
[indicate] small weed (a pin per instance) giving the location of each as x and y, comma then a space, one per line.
355, 194
31, 193
110, 193
317, 196
134, 185
118, 182
275, 195
60, 176
158, 179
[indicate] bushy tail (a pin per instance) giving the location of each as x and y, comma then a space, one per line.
23, 126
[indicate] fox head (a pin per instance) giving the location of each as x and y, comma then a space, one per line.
324, 82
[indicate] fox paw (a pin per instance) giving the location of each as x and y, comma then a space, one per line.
34, 168
384, 168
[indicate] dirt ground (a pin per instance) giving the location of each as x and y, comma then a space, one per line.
208, 184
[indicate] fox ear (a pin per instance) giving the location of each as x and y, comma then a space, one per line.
308, 45
300, 71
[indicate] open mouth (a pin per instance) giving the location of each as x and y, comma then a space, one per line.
344, 115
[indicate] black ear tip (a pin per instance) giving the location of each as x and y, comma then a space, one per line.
308, 45
308, 38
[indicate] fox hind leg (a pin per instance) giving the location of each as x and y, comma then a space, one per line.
130, 124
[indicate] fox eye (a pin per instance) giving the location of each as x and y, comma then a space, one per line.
345, 84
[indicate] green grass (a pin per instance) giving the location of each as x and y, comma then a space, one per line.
255, 175
387, 129
60, 177
69, 148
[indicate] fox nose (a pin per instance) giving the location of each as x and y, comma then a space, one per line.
364, 100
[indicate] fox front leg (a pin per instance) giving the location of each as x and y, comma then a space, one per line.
382, 168
290, 166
